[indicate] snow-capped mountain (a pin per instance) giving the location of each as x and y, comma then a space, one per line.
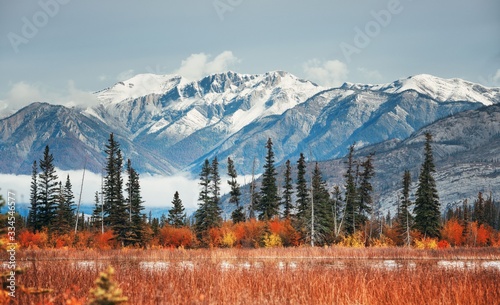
166, 123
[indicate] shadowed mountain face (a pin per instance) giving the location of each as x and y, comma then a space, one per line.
166, 124
466, 148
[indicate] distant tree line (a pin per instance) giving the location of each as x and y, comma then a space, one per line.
308, 210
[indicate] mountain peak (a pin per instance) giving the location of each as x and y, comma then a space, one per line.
442, 90
139, 85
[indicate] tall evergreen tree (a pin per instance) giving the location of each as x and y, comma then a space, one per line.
237, 215
176, 215
135, 207
351, 211
286, 199
269, 200
303, 198
47, 190
427, 206
115, 208
365, 189
215, 211
479, 213
96, 217
33, 216
405, 218
208, 214
336, 205
322, 219
65, 214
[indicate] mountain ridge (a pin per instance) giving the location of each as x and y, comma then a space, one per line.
169, 124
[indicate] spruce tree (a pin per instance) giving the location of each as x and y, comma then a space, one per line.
269, 200
405, 218
365, 189
237, 215
479, 214
47, 190
201, 214
114, 204
65, 214
302, 192
323, 218
336, 205
286, 199
135, 206
176, 214
427, 206
33, 217
215, 211
351, 211
96, 217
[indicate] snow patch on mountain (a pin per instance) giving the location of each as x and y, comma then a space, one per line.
139, 85
439, 89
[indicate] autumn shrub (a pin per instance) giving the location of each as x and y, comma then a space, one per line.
284, 229
443, 244
104, 241
452, 232
249, 233
272, 240
30, 240
176, 237
356, 240
426, 243
228, 239
381, 242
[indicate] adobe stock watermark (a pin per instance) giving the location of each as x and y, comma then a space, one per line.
31, 26
364, 36
11, 244
224, 6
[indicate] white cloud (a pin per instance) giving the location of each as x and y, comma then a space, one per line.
496, 78
156, 191
371, 76
22, 94
199, 65
329, 73
124, 75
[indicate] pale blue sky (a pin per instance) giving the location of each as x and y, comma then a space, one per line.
70, 47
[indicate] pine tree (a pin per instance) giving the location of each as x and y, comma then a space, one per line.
405, 219
96, 217
303, 199
65, 214
208, 214
114, 204
351, 211
365, 189
323, 218
336, 205
479, 214
269, 200
237, 215
135, 205
176, 214
33, 217
427, 206
47, 190
215, 211
287, 192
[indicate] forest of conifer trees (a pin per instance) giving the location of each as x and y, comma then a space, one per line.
303, 210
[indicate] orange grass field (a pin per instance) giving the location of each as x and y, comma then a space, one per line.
269, 276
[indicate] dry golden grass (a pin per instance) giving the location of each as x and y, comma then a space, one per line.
268, 276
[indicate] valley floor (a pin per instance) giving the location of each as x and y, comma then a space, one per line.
304, 275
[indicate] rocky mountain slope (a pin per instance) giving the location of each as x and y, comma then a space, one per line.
167, 124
